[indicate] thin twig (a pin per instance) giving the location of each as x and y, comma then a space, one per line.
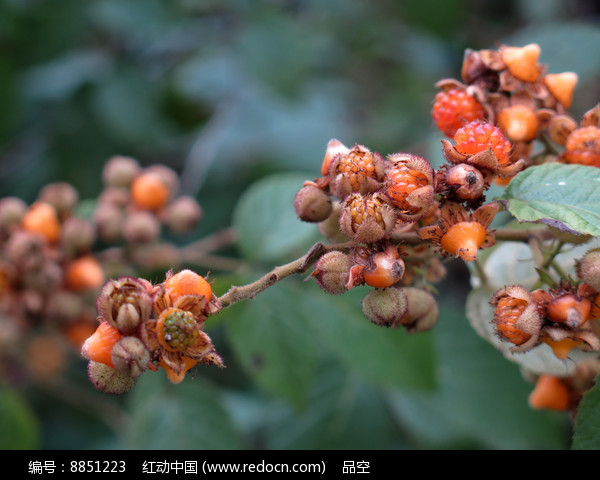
298, 266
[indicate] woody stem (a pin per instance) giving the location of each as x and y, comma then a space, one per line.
298, 266
238, 293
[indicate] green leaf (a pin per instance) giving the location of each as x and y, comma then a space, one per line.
344, 412
266, 221
189, 415
386, 357
587, 427
19, 429
563, 196
271, 340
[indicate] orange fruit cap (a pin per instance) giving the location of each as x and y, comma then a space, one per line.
99, 346
561, 86
149, 191
522, 61
84, 273
464, 239
550, 393
41, 218
187, 282
519, 123
175, 377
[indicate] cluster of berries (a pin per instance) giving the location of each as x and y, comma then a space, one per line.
368, 200
388, 214
54, 260
48, 277
145, 326
510, 89
563, 318
135, 204
382, 201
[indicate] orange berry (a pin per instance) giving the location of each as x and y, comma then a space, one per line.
550, 393
384, 271
475, 137
569, 309
41, 218
99, 346
84, 273
508, 311
561, 86
522, 61
150, 191
187, 282
360, 170
367, 218
519, 123
464, 239
455, 108
402, 182
583, 146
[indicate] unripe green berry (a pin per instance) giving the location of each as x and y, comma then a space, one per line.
385, 306
332, 272
312, 204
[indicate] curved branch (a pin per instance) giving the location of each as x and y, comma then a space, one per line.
298, 266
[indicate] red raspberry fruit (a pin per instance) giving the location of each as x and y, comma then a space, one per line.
476, 137
583, 146
455, 108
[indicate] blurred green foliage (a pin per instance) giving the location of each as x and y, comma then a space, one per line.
228, 92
